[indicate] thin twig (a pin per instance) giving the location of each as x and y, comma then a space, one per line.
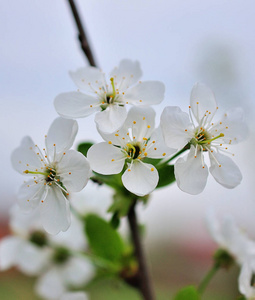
82, 35
144, 278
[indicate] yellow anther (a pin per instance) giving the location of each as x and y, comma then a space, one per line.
116, 134
155, 148
143, 118
129, 170
112, 159
141, 100
69, 173
148, 126
110, 142
145, 153
152, 169
134, 122
164, 154
145, 139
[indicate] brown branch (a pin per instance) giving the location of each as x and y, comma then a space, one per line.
143, 274
82, 35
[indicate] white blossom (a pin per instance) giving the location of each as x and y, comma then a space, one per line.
133, 143
108, 96
231, 238
74, 296
203, 135
56, 171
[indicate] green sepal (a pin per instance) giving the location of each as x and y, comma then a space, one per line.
121, 204
166, 175
84, 147
187, 293
104, 240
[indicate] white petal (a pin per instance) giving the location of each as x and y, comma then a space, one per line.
31, 259
126, 74
62, 133
228, 174
74, 171
140, 178
88, 78
244, 281
30, 194
145, 93
176, 127
9, 247
55, 211
141, 121
202, 100
190, 175
76, 105
25, 158
77, 271
156, 146
111, 119
106, 159
73, 238
50, 285
74, 296
233, 126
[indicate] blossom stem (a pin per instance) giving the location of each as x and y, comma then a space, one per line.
82, 35
144, 283
204, 283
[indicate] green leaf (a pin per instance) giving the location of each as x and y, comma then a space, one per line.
166, 175
103, 239
187, 293
84, 147
113, 181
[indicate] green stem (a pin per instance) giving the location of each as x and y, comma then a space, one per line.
208, 277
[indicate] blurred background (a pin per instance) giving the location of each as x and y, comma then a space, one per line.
177, 42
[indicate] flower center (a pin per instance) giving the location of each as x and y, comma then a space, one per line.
203, 137
133, 150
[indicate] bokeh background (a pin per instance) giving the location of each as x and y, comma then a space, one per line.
177, 42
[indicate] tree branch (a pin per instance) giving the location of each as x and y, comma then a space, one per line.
82, 35
143, 275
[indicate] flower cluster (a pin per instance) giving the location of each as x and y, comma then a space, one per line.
135, 149
54, 259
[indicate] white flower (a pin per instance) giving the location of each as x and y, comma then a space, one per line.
56, 171
108, 96
203, 135
231, 238
24, 248
134, 142
246, 281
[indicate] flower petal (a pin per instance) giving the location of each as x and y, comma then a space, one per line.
176, 127
76, 105
62, 133
202, 100
74, 170
9, 247
106, 159
233, 126
111, 119
77, 271
190, 175
25, 158
145, 93
88, 79
140, 178
32, 259
156, 146
55, 211
244, 281
224, 170
30, 194
126, 74
50, 285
